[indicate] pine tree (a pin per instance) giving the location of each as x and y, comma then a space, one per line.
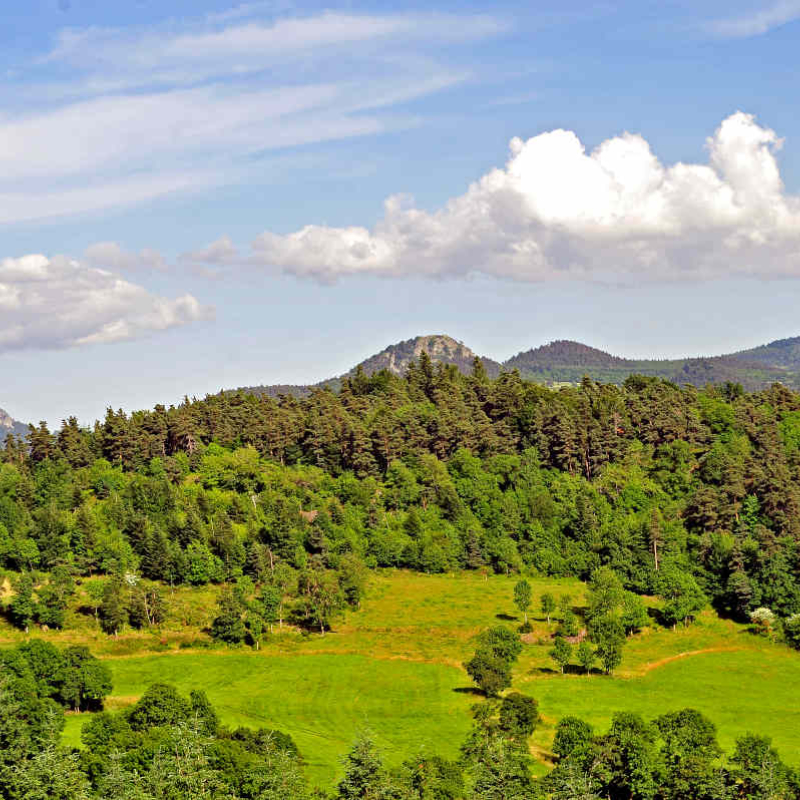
113, 610
23, 606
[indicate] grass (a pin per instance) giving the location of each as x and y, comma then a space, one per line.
323, 701
394, 667
748, 690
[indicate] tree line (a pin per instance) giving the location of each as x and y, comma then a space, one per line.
434, 471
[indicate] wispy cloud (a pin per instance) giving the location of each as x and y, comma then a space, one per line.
178, 107
762, 19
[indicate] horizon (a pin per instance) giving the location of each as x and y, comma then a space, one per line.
54, 422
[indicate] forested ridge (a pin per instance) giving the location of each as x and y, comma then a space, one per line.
433, 471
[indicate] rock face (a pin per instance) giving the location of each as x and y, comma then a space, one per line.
10, 425
441, 349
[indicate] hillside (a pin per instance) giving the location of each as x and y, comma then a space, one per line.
783, 353
404, 649
567, 362
9, 425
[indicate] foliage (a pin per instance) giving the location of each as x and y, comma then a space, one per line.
72, 677
522, 597
519, 716
571, 734
561, 653
434, 471
586, 656
490, 666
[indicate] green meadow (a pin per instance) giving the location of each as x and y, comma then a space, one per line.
394, 668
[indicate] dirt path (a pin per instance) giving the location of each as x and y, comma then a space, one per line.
663, 661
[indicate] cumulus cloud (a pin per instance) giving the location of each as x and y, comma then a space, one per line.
557, 211
51, 303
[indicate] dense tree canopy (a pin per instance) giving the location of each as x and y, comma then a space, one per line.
688, 493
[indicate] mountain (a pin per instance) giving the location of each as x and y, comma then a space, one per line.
442, 350
566, 362
9, 425
395, 358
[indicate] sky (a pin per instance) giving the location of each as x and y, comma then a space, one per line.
197, 195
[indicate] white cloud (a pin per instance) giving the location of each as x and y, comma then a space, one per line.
147, 112
189, 55
761, 20
110, 254
51, 303
222, 251
556, 211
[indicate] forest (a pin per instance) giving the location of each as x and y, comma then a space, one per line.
647, 489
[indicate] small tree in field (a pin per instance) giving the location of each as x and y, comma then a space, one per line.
489, 671
320, 597
228, 625
561, 653
683, 598
565, 605
609, 635
586, 656
548, 605
114, 608
522, 597
634, 613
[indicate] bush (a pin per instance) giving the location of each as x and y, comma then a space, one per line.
764, 621
791, 630
519, 715
571, 734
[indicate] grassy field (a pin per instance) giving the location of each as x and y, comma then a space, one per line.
395, 668
323, 701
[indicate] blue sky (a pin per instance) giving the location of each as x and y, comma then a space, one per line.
197, 195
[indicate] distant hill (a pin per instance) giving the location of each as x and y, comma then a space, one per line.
9, 425
566, 362
395, 358
782, 353
442, 350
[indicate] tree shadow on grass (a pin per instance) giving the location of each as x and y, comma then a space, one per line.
506, 617
473, 690
570, 669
